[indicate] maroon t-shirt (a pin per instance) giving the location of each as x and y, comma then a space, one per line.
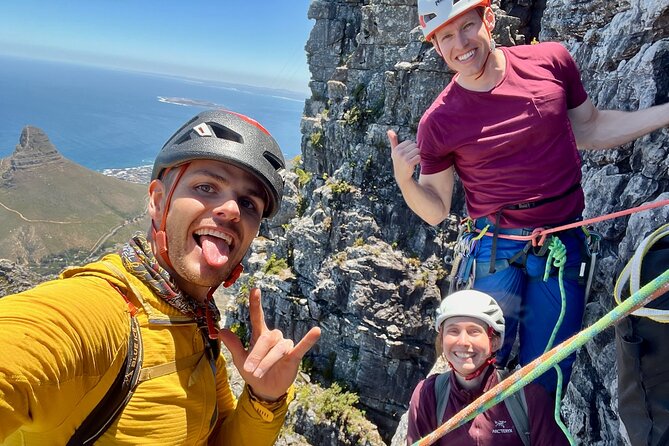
514, 143
491, 428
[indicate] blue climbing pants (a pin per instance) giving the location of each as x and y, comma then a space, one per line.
531, 306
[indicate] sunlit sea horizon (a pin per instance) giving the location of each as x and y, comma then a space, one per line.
109, 119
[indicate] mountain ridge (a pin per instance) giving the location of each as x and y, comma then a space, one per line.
50, 205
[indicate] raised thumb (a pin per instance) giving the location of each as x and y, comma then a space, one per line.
392, 137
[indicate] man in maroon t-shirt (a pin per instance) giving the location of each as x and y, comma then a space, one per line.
509, 123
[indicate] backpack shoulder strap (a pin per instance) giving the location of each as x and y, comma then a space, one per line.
442, 388
118, 395
516, 404
123, 387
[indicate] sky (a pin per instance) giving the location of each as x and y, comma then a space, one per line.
255, 42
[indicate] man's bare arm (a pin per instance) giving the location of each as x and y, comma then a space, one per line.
605, 129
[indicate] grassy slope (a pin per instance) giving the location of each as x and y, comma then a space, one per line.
67, 207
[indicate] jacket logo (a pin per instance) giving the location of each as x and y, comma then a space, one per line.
500, 427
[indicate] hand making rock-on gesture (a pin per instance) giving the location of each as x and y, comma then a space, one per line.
271, 363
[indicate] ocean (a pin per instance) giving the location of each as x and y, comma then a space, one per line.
109, 119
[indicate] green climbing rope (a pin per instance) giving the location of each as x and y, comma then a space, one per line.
557, 257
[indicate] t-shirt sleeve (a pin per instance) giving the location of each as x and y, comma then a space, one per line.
571, 77
422, 417
434, 157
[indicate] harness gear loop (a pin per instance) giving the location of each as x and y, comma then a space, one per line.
592, 246
463, 269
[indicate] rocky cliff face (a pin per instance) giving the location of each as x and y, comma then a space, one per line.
34, 148
365, 269
16, 278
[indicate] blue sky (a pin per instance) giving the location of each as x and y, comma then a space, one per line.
256, 42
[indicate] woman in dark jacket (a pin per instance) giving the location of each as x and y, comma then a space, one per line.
471, 330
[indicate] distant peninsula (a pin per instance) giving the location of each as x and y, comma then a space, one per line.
186, 102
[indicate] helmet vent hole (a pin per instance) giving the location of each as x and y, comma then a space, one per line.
276, 163
185, 137
428, 17
225, 133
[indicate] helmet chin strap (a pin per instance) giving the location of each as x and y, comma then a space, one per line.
160, 238
159, 235
485, 63
234, 275
476, 373
492, 50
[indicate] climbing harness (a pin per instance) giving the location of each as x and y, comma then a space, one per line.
526, 205
540, 365
466, 269
539, 235
536, 237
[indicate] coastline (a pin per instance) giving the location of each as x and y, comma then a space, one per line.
140, 174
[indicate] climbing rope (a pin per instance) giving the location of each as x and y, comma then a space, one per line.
539, 235
632, 273
540, 365
557, 257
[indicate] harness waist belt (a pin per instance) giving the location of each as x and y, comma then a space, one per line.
532, 204
482, 222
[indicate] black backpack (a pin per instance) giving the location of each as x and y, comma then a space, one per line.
642, 350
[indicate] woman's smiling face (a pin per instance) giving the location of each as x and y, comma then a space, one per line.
466, 344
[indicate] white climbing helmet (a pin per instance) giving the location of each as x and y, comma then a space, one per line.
472, 303
433, 14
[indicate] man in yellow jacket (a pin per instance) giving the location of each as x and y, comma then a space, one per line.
147, 312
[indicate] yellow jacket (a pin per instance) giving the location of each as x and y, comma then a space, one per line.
63, 343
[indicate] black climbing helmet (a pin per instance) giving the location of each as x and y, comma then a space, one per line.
229, 137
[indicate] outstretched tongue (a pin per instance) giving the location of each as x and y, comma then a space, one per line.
215, 250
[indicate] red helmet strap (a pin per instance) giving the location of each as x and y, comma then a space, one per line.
159, 235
